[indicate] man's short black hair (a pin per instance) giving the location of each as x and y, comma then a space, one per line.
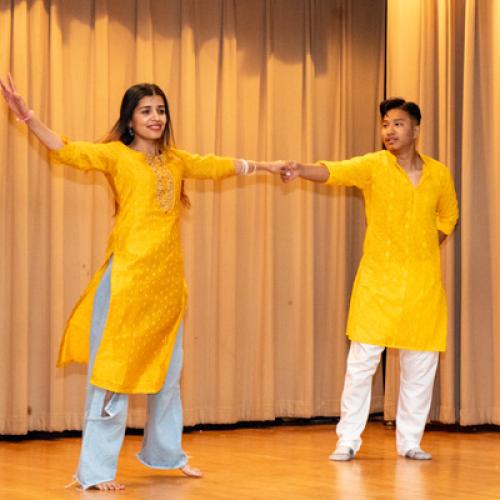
399, 103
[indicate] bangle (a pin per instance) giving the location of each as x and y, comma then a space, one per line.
244, 167
254, 164
28, 116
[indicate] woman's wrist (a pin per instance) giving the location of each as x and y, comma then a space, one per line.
248, 167
26, 117
261, 166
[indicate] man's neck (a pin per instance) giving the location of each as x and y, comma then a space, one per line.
408, 159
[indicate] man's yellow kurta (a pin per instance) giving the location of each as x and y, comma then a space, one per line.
148, 291
398, 298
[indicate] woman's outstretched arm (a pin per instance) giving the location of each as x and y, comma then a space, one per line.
248, 167
23, 114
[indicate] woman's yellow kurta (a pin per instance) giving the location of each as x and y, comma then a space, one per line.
398, 298
148, 291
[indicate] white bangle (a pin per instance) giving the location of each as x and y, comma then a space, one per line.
244, 167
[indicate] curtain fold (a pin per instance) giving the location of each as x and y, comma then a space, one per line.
424, 44
480, 247
450, 66
269, 267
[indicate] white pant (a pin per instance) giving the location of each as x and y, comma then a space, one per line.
418, 369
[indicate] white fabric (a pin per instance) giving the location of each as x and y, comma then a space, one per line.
418, 369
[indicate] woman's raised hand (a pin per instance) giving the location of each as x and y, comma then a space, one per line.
14, 100
24, 114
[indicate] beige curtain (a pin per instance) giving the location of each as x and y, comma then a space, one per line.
480, 247
424, 65
269, 267
445, 55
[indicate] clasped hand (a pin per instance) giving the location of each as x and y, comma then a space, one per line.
289, 171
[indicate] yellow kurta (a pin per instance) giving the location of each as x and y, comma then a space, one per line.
148, 291
398, 298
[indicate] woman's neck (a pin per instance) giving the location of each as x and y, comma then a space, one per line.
151, 148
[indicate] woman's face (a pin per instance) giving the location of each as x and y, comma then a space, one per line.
149, 118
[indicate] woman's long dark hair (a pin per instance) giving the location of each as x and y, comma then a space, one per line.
121, 129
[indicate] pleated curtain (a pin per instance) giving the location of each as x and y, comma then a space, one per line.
269, 267
446, 56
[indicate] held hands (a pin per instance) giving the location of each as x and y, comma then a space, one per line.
287, 170
275, 167
290, 171
14, 100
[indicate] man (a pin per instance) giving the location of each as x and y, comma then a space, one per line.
398, 299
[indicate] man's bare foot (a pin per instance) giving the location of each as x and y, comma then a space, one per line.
189, 471
108, 486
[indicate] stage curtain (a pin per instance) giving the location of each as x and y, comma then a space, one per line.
424, 65
444, 55
480, 242
269, 267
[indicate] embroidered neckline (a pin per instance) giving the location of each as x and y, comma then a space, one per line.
165, 187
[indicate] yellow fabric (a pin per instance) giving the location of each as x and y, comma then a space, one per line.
398, 299
148, 291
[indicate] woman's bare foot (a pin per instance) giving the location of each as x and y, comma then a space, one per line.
108, 486
189, 471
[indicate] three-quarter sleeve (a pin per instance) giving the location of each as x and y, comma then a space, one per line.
86, 155
357, 171
205, 167
447, 209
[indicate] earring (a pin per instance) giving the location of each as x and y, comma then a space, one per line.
131, 132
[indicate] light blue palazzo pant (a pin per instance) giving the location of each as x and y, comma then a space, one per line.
106, 412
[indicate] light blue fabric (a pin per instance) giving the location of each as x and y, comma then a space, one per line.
106, 412
161, 446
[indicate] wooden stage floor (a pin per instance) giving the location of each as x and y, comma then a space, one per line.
285, 462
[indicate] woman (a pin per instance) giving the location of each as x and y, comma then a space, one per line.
134, 304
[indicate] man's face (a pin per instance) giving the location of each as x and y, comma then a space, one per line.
399, 132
